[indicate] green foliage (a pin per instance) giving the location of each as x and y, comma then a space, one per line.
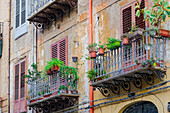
103, 46
91, 74
155, 14
92, 47
113, 43
33, 73
152, 31
52, 63
62, 87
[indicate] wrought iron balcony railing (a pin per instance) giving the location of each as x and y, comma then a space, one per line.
57, 84
127, 58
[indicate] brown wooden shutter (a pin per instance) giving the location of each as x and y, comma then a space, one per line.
59, 50
139, 20
63, 51
17, 82
54, 50
127, 19
22, 80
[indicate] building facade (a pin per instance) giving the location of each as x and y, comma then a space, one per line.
43, 29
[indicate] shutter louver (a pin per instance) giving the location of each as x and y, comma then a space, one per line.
17, 82
55, 51
139, 20
127, 19
62, 51
22, 80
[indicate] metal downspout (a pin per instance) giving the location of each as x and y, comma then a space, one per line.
90, 41
9, 56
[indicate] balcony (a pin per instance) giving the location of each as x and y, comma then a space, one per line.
58, 92
142, 60
45, 11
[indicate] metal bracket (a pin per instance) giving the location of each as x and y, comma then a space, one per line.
149, 79
104, 91
160, 74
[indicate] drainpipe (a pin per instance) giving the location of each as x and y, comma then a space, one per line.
90, 41
9, 56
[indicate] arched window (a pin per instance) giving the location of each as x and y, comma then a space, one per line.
141, 107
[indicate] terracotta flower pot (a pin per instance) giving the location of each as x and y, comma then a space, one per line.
99, 79
47, 95
49, 72
40, 98
164, 33
32, 101
93, 54
125, 41
157, 64
101, 51
74, 92
55, 68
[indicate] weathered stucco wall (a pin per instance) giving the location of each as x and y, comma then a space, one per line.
4, 59
106, 23
109, 24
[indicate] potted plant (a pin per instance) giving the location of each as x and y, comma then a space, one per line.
92, 48
136, 61
63, 89
125, 39
151, 63
53, 66
102, 48
113, 43
156, 14
91, 74
33, 73
152, 31
48, 68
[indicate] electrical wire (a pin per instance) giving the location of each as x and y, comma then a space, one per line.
147, 88
71, 111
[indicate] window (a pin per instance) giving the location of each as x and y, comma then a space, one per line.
20, 101
128, 19
20, 18
59, 50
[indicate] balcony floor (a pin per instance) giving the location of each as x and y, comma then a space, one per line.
140, 73
50, 11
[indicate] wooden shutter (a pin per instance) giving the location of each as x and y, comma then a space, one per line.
17, 82
16, 106
127, 19
59, 50
54, 50
17, 13
23, 11
139, 20
63, 51
22, 80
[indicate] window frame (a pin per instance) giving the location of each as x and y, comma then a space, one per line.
132, 4
22, 28
23, 99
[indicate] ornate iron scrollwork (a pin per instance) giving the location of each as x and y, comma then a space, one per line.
149, 79
125, 85
160, 74
104, 91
